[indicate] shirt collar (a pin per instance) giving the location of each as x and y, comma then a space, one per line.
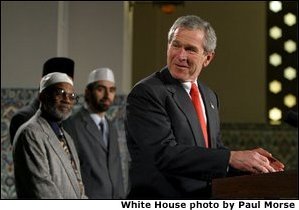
56, 127
96, 118
187, 86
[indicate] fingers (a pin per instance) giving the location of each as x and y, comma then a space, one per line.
248, 161
274, 163
263, 164
255, 161
263, 152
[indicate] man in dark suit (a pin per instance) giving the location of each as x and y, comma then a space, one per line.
96, 139
56, 64
176, 150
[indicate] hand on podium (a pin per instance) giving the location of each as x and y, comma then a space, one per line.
274, 163
255, 161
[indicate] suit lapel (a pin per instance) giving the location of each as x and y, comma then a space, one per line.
184, 102
72, 149
113, 142
92, 128
54, 142
210, 113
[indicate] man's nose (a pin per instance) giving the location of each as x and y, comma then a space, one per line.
182, 54
106, 93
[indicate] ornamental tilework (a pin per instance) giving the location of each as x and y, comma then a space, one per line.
14, 99
281, 141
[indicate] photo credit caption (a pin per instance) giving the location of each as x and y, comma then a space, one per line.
212, 204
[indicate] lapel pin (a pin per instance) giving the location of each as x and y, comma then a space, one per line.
212, 105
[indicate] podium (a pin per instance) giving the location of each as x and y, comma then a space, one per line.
278, 185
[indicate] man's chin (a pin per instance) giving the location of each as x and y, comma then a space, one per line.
103, 108
181, 76
63, 115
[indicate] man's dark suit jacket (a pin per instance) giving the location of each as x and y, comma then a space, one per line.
100, 166
166, 143
22, 116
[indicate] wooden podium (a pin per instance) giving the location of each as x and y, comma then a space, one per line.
279, 185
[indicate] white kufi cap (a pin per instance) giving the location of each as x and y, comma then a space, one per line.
53, 78
101, 74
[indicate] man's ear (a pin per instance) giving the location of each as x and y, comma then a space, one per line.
209, 58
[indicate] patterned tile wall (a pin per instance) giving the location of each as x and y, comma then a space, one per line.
280, 140
14, 99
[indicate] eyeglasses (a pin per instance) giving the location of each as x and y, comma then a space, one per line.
61, 93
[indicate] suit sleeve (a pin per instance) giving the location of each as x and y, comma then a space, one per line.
152, 138
32, 172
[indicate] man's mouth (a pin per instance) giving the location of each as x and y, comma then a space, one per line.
64, 108
181, 66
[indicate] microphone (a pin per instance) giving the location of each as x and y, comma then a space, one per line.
292, 118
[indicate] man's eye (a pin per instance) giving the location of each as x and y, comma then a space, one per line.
101, 89
191, 49
60, 91
175, 45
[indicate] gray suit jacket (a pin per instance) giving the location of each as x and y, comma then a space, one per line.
42, 168
165, 141
100, 166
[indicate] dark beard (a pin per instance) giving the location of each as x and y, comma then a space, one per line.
101, 107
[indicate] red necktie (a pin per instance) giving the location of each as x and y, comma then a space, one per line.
195, 96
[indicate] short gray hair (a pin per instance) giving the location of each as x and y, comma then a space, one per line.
194, 22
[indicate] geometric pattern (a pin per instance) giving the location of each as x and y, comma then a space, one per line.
282, 60
13, 99
280, 140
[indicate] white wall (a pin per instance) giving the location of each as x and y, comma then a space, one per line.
28, 38
98, 33
91, 33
